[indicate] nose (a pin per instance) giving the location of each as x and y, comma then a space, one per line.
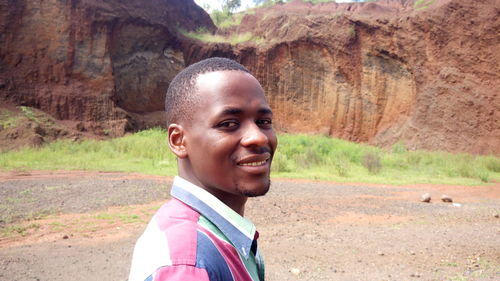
254, 136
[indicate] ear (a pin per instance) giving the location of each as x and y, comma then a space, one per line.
176, 140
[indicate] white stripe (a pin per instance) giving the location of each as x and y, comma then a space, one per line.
150, 253
214, 203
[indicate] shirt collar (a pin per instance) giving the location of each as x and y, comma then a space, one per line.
240, 231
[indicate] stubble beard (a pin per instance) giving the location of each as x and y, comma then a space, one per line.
254, 193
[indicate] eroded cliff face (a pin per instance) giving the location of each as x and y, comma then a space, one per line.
380, 72
102, 64
427, 78
316, 89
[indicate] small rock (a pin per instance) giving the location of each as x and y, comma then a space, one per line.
65, 237
446, 198
295, 271
456, 205
497, 216
415, 275
380, 254
426, 198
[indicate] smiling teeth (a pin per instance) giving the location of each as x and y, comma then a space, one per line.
253, 163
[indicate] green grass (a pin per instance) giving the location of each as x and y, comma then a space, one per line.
298, 156
8, 119
422, 4
11, 119
234, 39
123, 218
144, 152
224, 19
318, 157
22, 230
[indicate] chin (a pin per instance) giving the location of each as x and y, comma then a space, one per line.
252, 190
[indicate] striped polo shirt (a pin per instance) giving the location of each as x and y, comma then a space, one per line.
195, 236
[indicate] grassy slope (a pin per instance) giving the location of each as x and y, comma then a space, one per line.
298, 156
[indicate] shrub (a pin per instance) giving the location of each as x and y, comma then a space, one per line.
399, 148
342, 166
308, 159
281, 164
372, 162
219, 17
492, 164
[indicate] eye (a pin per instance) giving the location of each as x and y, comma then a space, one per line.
228, 124
265, 123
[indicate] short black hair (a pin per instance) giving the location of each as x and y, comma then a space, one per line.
180, 97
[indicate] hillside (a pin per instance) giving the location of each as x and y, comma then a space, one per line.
422, 73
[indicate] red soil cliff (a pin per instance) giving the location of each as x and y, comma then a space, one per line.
426, 75
97, 62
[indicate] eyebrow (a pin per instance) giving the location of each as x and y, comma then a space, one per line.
237, 111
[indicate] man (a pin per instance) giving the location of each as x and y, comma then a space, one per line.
220, 129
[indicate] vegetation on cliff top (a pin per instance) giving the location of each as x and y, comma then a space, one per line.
422, 4
298, 156
233, 39
226, 16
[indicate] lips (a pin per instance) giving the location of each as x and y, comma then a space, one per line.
254, 160
254, 164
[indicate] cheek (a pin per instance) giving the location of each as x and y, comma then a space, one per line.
218, 151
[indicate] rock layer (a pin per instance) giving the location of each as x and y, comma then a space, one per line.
97, 62
425, 74
427, 77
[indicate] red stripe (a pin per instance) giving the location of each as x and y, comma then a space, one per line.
179, 223
181, 273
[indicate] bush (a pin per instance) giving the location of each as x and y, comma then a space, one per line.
399, 148
492, 164
372, 162
308, 159
342, 166
280, 163
219, 17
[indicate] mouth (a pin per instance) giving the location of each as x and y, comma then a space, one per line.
254, 160
254, 164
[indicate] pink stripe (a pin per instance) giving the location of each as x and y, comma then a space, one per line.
179, 223
237, 267
181, 273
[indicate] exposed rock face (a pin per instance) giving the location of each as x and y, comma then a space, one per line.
379, 72
93, 61
383, 74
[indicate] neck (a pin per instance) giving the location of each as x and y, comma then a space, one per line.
233, 201
238, 207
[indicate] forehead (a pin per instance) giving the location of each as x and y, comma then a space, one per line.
229, 88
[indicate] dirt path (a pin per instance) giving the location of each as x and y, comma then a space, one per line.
83, 225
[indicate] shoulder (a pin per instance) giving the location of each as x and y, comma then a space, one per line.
169, 240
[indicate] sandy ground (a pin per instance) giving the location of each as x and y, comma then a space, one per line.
83, 225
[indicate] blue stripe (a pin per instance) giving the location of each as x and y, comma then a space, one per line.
209, 258
240, 241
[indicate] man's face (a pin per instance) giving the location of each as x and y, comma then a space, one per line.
230, 140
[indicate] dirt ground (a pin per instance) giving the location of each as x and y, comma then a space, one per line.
83, 225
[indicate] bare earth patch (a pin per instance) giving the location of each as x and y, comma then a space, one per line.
83, 225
